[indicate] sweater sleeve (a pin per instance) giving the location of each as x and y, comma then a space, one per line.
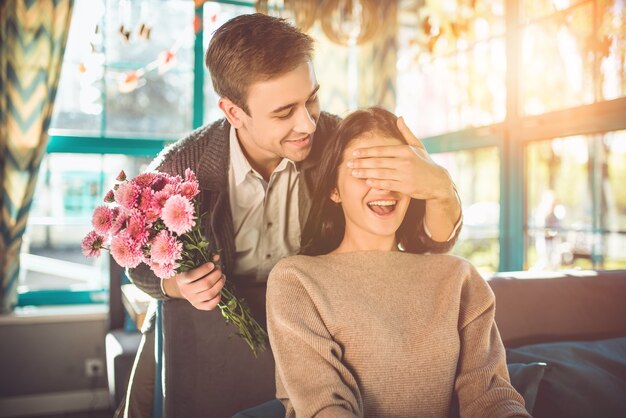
147, 281
437, 247
310, 377
482, 384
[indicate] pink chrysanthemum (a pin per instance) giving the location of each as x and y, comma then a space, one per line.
145, 199
152, 214
178, 214
102, 219
190, 175
119, 220
91, 244
165, 248
160, 197
174, 180
109, 197
189, 189
159, 182
164, 271
172, 188
125, 251
144, 179
127, 195
136, 227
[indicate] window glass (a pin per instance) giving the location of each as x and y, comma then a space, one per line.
78, 101
534, 9
556, 68
576, 202
69, 187
451, 67
476, 174
149, 78
611, 47
612, 214
128, 70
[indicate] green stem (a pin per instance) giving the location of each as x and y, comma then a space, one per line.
232, 309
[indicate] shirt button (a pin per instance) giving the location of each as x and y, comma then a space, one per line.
268, 256
269, 224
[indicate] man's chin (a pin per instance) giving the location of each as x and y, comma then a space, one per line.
298, 156
297, 150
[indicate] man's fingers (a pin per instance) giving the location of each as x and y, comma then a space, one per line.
208, 305
195, 274
209, 292
381, 151
389, 185
202, 285
376, 173
362, 155
381, 162
408, 135
208, 297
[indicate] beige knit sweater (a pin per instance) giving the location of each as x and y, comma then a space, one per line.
386, 334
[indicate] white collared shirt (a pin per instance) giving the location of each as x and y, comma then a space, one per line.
265, 214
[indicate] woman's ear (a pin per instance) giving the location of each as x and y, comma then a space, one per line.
231, 111
334, 195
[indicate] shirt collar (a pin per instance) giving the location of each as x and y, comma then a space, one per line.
240, 164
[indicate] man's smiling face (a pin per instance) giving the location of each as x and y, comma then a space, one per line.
283, 115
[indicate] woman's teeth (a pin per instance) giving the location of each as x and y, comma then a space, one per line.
382, 207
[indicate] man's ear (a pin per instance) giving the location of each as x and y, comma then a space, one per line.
334, 195
232, 112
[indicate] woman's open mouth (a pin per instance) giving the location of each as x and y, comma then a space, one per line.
382, 207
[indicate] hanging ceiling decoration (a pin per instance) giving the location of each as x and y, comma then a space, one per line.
302, 12
346, 22
446, 25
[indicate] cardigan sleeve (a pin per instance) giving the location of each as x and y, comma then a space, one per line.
482, 383
311, 379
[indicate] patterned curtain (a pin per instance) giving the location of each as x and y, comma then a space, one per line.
33, 34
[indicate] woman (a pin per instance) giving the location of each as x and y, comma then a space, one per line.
363, 324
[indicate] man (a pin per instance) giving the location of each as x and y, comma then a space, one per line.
257, 166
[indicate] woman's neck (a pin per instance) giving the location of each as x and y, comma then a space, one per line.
351, 244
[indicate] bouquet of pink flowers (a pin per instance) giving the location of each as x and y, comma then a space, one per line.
153, 219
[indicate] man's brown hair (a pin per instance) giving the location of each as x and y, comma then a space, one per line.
251, 48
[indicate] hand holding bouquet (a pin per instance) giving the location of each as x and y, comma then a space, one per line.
153, 219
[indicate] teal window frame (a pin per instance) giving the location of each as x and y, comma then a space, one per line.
138, 147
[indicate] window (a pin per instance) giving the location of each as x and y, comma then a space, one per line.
476, 175
558, 71
576, 210
541, 84
451, 67
126, 90
119, 81
69, 187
